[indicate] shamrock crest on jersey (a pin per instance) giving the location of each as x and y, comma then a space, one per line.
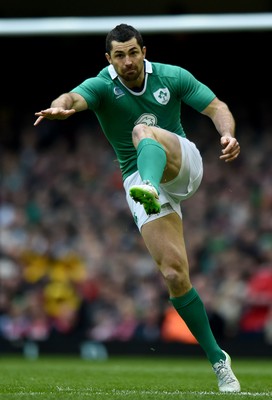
162, 95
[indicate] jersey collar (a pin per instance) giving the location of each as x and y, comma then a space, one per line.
113, 73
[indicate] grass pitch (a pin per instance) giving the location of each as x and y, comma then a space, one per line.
128, 378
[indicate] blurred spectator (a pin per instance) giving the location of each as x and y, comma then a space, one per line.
258, 302
69, 262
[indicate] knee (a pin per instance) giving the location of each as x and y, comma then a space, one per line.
176, 275
139, 132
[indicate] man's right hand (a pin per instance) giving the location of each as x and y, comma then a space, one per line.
53, 113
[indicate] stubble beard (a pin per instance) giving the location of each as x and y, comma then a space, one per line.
132, 77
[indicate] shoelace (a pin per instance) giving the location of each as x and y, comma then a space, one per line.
223, 372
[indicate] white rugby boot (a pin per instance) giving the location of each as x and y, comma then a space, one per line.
227, 381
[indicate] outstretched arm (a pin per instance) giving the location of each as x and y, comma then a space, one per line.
224, 122
63, 107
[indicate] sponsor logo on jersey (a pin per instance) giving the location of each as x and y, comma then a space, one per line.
118, 92
162, 96
147, 119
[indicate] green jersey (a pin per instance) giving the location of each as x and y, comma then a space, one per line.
119, 109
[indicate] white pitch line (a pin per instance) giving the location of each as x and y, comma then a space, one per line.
124, 393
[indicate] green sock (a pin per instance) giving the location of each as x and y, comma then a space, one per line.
151, 161
191, 309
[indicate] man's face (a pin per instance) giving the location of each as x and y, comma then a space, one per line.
127, 59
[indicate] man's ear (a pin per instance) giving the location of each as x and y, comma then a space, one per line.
144, 51
108, 57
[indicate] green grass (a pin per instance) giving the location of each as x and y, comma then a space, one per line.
127, 378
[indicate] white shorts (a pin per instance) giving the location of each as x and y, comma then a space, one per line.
171, 193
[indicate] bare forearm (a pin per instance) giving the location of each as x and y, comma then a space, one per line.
64, 101
68, 101
221, 116
62, 107
224, 121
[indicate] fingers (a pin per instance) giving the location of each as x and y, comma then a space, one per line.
38, 120
49, 113
53, 113
231, 149
229, 157
41, 115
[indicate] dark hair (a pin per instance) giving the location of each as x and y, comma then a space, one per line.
123, 33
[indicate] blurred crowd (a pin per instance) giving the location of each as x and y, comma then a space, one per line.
72, 261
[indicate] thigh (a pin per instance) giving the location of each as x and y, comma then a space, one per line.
190, 175
172, 147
